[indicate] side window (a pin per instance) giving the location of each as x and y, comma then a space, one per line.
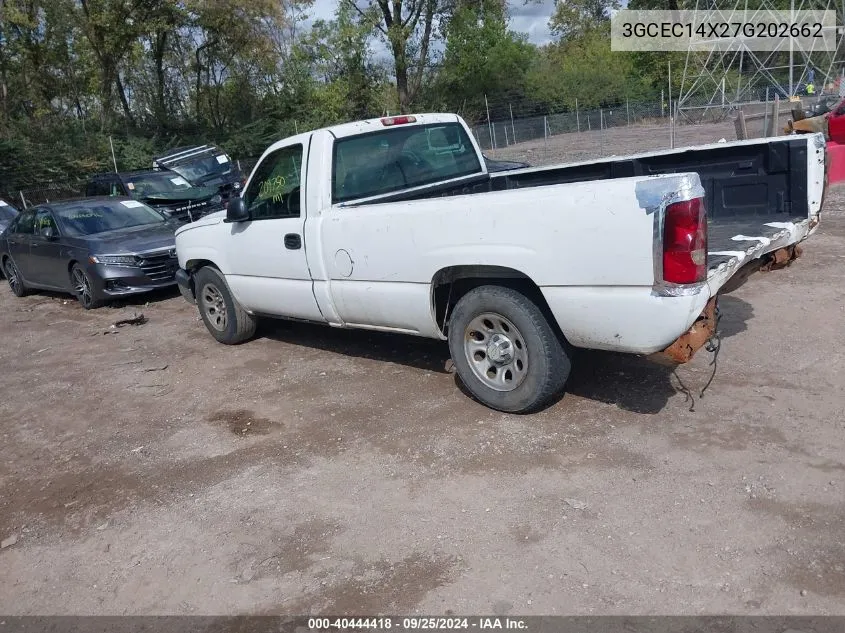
103, 187
274, 190
97, 188
25, 223
43, 220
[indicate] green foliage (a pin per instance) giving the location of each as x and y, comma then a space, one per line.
483, 59
584, 68
155, 74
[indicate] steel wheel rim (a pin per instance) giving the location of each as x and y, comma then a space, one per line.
12, 276
496, 352
82, 286
214, 307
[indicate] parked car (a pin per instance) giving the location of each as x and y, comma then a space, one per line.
95, 249
203, 166
396, 224
166, 191
7, 214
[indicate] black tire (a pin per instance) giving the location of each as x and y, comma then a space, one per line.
518, 331
13, 276
83, 289
224, 317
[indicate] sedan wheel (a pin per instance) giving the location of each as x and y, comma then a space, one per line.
14, 278
82, 288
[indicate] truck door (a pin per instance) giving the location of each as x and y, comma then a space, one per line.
268, 270
836, 124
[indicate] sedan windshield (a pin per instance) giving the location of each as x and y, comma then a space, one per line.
155, 183
90, 218
7, 213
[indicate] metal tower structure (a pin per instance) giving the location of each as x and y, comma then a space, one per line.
715, 79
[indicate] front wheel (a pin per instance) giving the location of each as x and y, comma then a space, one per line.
224, 317
83, 289
13, 276
505, 352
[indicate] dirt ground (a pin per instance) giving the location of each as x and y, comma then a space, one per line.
148, 469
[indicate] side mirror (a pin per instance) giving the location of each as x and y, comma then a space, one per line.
236, 210
48, 233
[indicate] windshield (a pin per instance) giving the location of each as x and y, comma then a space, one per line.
7, 213
401, 158
154, 183
90, 218
203, 169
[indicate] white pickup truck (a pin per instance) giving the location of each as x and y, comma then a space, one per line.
395, 224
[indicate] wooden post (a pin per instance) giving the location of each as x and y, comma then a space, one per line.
741, 130
513, 129
577, 117
771, 128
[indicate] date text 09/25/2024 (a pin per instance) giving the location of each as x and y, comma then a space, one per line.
415, 623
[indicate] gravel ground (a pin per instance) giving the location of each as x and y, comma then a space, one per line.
149, 469
615, 141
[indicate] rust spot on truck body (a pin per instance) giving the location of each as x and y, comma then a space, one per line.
686, 345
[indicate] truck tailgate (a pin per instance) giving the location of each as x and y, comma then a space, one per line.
734, 243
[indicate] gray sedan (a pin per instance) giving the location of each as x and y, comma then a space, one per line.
95, 249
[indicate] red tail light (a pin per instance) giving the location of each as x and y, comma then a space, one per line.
685, 242
398, 120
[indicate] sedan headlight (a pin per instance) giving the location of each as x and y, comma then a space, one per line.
216, 199
114, 260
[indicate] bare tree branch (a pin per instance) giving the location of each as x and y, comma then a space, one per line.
368, 18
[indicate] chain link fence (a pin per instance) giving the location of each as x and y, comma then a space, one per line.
579, 134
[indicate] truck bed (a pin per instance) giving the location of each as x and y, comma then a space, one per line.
753, 189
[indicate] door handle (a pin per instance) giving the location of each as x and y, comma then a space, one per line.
293, 241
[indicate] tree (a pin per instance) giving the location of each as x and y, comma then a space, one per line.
339, 52
574, 18
482, 59
408, 28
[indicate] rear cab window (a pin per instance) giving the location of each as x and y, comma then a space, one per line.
399, 158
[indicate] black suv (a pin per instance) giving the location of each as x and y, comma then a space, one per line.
203, 166
166, 191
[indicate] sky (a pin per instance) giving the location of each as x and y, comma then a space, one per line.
531, 18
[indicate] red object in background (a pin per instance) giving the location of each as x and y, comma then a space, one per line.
836, 123
836, 162
836, 144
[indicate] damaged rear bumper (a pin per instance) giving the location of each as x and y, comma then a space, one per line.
704, 328
686, 345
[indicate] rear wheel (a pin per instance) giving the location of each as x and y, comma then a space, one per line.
506, 353
13, 276
83, 289
224, 317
